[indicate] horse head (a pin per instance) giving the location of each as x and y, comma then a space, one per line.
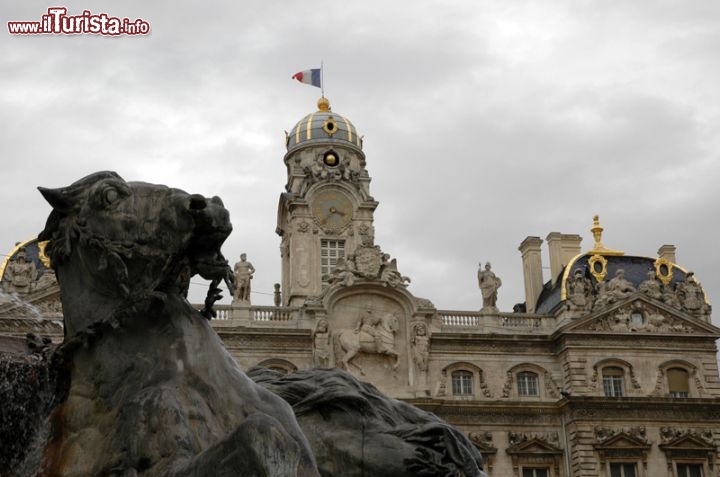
112, 240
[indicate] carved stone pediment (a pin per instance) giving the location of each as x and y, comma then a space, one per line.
534, 443
641, 315
621, 437
629, 442
535, 448
686, 438
687, 444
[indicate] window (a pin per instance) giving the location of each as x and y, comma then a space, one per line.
689, 470
613, 381
636, 319
330, 251
462, 383
527, 384
537, 472
622, 470
678, 382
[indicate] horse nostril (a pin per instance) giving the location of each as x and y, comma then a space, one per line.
197, 202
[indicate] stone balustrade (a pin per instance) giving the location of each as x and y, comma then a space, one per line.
452, 320
475, 321
273, 313
255, 314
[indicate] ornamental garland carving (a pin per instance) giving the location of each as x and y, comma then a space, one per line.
484, 387
303, 227
508, 385
551, 386
442, 384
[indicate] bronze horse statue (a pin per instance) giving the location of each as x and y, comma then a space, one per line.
151, 390
375, 335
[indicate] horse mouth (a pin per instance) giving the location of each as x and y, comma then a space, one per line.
206, 258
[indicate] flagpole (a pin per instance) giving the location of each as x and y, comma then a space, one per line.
322, 80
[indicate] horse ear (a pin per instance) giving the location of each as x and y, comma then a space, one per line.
57, 198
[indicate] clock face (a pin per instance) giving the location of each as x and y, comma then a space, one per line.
332, 210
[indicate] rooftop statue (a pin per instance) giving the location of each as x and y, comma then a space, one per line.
244, 271
151, 389
489, 284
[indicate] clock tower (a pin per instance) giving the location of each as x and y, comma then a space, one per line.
326, 211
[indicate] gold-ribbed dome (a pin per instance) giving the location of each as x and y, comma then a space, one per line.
323, 127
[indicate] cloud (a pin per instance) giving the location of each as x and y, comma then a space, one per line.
483, 123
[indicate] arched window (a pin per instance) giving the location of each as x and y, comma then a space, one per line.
462, 383
278, 365
678, 382
527, 384
613, 377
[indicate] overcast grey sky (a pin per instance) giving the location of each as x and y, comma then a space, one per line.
484, 122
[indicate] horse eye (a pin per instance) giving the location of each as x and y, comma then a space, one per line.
111, 195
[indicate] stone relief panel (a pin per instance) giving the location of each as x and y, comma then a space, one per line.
370, 339
314, 168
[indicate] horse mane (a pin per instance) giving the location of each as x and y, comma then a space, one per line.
62, 228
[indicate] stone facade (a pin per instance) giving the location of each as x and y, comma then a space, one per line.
597, 378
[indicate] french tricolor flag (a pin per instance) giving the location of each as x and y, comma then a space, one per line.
309, 77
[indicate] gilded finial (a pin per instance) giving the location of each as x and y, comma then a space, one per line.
597, 231
323, 104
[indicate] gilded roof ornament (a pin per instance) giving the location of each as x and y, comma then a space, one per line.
599, 248
323, 104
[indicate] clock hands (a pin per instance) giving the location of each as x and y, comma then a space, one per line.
332, 210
